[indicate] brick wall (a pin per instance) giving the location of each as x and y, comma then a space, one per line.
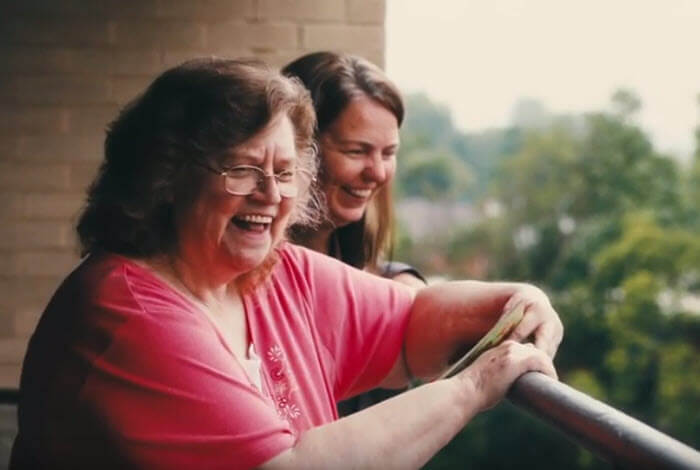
67, 67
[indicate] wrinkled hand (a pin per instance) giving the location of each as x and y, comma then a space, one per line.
539, 320
492, 374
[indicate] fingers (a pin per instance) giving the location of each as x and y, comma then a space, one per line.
548, 337
541, 361
528, 358
543, 324
526, 326
494, 371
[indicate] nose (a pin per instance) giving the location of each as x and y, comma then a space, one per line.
268, 191
376, 168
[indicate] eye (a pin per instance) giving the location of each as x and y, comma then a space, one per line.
389, 155
242, 172
354, 151
285, 176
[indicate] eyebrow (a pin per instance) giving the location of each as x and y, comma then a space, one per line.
363, 143
232, 159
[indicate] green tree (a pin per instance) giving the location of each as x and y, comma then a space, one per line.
610, 227
625, 103
429, 130
692, 181
435, 176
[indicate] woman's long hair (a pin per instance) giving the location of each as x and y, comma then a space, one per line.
334, 80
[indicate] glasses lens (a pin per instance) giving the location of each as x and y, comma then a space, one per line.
242, 180
245, 180
286, 183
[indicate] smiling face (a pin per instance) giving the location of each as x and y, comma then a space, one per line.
359, 157
234, 234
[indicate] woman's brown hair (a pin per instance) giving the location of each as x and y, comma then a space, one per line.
191, 114
334, 80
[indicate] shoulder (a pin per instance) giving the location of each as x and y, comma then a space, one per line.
307, 262
111, 288
322, 274
132, 319
301, 255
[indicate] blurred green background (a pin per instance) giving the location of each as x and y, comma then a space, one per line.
585, 207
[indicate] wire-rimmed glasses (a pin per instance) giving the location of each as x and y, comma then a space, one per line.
243, 180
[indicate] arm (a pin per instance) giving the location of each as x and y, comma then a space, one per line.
448, 317
410, 280
405, 431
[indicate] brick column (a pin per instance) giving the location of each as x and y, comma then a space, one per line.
68, 66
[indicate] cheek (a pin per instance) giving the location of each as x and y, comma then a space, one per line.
340, 169
390, 169
203, 218
283, 217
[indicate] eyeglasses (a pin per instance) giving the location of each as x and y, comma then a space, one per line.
243, 180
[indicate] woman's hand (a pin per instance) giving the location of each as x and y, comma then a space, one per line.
449, 318
539, 320
492, 374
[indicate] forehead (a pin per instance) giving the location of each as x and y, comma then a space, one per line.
366, 119
275, 142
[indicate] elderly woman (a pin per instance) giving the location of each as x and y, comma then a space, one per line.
193, 336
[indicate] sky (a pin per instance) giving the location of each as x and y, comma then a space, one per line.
479, 57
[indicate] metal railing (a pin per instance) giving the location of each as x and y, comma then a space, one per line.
607, 432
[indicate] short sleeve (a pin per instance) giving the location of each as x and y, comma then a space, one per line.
171, 396
360, 317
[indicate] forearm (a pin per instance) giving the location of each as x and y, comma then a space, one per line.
402, 432
446, 317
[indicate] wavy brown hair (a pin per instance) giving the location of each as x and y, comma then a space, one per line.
334, 79
191, 114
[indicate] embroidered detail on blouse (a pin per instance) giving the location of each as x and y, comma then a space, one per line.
282, 384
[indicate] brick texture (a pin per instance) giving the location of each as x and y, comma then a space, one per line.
346, 38
308, 10
68, 67
366, 12
255, 35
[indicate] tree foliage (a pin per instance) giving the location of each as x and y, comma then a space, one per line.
610, 228
432, 145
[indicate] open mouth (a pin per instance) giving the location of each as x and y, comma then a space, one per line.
358, 193
252, 222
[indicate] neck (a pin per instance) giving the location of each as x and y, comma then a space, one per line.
197, 279
218, 298
320, 239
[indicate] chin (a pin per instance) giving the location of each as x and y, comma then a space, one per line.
247, 260
346, 218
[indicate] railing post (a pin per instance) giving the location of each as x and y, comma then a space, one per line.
607, 432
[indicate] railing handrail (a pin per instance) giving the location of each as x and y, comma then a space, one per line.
602, 429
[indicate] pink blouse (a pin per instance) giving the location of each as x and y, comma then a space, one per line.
123, 371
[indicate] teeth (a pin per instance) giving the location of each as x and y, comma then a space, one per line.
256, 219
360, 192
